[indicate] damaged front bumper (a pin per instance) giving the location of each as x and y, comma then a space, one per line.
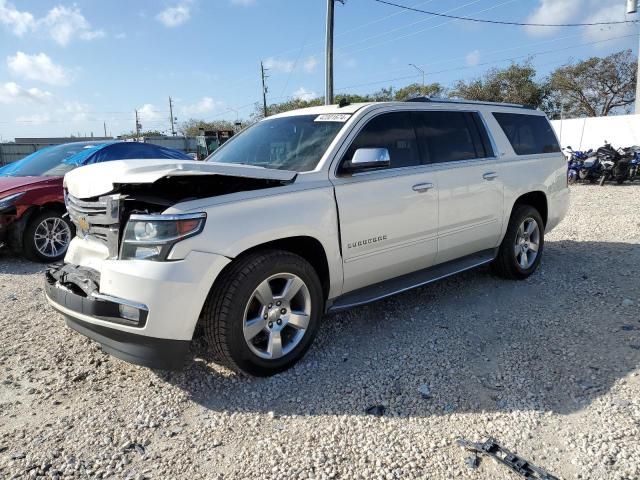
74, 291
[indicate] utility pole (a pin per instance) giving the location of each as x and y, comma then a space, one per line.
137, 127
173, 130
420, 70
264, 90
632, 7
104, 124
328, 62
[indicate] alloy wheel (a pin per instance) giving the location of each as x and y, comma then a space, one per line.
277, 316
527, 243
52, 237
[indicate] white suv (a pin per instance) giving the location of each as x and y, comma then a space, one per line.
305, 212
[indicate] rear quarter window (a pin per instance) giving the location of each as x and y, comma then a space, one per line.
528, 134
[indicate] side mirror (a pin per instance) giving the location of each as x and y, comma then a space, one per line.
367, 158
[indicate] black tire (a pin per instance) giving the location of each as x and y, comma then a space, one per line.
29, 246
224, 310
619, 181
505, 264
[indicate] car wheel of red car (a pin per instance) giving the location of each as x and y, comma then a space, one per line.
47, 237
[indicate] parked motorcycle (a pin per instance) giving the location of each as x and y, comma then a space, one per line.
614, 164
634, 163
576, 159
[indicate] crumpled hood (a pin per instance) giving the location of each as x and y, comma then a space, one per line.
10, 185
101, 178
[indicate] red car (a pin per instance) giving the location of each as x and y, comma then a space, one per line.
32, 211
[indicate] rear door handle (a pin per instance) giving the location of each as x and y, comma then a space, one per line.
490, 175
422, 187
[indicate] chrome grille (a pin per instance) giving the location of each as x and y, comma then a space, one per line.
99, 219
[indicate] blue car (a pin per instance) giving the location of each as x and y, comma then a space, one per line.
32, 207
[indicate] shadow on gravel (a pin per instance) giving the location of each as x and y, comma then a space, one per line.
13, 264
553, 342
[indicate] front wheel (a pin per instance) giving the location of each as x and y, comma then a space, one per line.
521, 248
263, 314
47, 237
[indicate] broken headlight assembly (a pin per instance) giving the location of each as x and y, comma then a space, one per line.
151, 237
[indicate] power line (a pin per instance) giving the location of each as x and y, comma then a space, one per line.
500, 22
485, 53
433, 27
401, 27
340, 34
406, 77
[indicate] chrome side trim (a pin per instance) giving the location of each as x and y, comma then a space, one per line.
120, 301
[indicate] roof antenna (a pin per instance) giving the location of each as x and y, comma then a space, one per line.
343, 102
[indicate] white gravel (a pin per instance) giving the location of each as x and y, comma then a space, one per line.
549, 366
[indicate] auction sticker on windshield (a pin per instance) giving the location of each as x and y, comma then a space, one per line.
332, 117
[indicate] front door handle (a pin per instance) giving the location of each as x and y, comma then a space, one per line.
422, 187
490, 175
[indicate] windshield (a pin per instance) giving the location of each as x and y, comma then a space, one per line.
288, 143
50, 161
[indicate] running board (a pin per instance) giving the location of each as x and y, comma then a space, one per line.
406, 282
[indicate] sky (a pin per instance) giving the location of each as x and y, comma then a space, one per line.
72, 67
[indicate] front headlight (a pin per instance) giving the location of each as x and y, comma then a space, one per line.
151, 237
9, 200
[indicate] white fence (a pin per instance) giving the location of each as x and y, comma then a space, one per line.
586, 133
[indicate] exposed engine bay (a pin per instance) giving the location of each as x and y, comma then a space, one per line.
104, 217
167, 191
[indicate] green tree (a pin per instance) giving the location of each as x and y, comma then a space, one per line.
597, 86
192, 127
146, 133
419, 90
514, 84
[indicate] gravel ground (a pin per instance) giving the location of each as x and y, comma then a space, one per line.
548, 366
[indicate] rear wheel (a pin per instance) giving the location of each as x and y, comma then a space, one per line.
263, 313
521, 248
47, 237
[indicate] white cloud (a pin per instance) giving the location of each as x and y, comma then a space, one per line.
120, 36
608, 11
62, 24
76, 112
473, 58
11, 92
19, 22
174, 16
586, 11
148, 112
37, 67
304, 94
310, 64
280, 65
204, 105
243, 3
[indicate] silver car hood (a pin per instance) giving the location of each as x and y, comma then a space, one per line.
102, 178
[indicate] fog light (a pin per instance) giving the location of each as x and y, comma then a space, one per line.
130, 313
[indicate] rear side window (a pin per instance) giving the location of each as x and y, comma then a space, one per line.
393, 131
528, 134
452, 136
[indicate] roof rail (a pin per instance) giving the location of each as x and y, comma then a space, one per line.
473, 102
